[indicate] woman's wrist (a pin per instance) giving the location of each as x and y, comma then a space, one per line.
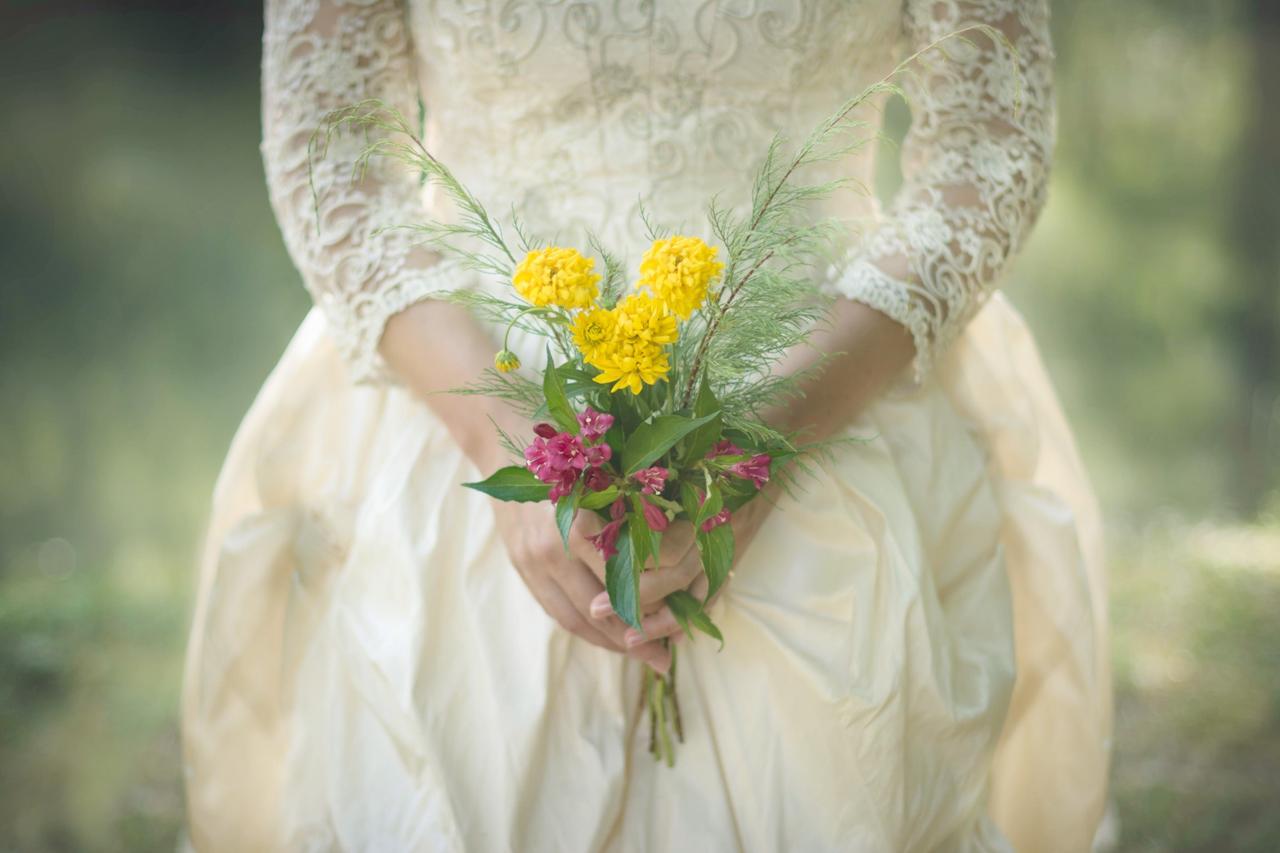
483, 444
865, 350
435, 347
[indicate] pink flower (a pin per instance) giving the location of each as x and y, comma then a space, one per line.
556, 460
545, 431
652, 480
564, 485
716, 520
597, 479
594, 424
598, 454
606, 541
538, 460
565, 451
724, 447
655, 517
755, 469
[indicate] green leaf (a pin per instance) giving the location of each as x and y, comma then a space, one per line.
598, 500
716, 548
622, 582
571, 373
682, 619
662, 502
688, 610
647, 539
651, 440
577, 382
566, 509
557, 400
513, 483
616, 436
702, 438
689, 499
712, 505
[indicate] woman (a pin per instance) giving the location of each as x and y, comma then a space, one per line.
382, 660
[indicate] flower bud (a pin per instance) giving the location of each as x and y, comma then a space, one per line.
655, 517
506, 361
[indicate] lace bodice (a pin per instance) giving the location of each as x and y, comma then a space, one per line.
575, 111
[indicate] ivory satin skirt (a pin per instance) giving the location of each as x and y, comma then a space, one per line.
915, 652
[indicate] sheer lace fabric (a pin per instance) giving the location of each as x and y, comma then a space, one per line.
320, 55
976, 166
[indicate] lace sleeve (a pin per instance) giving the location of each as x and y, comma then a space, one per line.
975, 162
319, 55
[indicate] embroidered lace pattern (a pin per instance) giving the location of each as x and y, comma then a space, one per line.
975, 164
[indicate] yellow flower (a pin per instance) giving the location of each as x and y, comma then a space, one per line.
593, 331
557, 276
506, 361
679, 271
633, 354
640, 317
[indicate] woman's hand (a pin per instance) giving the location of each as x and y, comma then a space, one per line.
680, 567
435, 346
674, 569
563, 583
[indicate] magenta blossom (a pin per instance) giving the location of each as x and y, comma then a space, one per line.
724, 447
594, 424
597, 479
721, 517
598, 454
564, 485
654, 516
557, 460
606, 541
538, 460
755, 469
652, 480
545, 430
566, 451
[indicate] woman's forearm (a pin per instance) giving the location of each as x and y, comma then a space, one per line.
870, 351
435, 346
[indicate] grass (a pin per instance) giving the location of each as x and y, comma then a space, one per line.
1197, 667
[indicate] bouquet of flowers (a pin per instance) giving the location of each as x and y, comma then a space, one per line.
649, 408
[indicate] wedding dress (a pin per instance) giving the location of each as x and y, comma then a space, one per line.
915, 652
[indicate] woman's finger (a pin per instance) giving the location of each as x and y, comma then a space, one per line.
586, 525
661, 624
581, 588
654, 585
657, 584
677, 544
559, 608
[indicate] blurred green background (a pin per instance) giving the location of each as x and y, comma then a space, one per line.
145, 294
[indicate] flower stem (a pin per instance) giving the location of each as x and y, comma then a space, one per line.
671, 692
532, 309
647, 691
666, 753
